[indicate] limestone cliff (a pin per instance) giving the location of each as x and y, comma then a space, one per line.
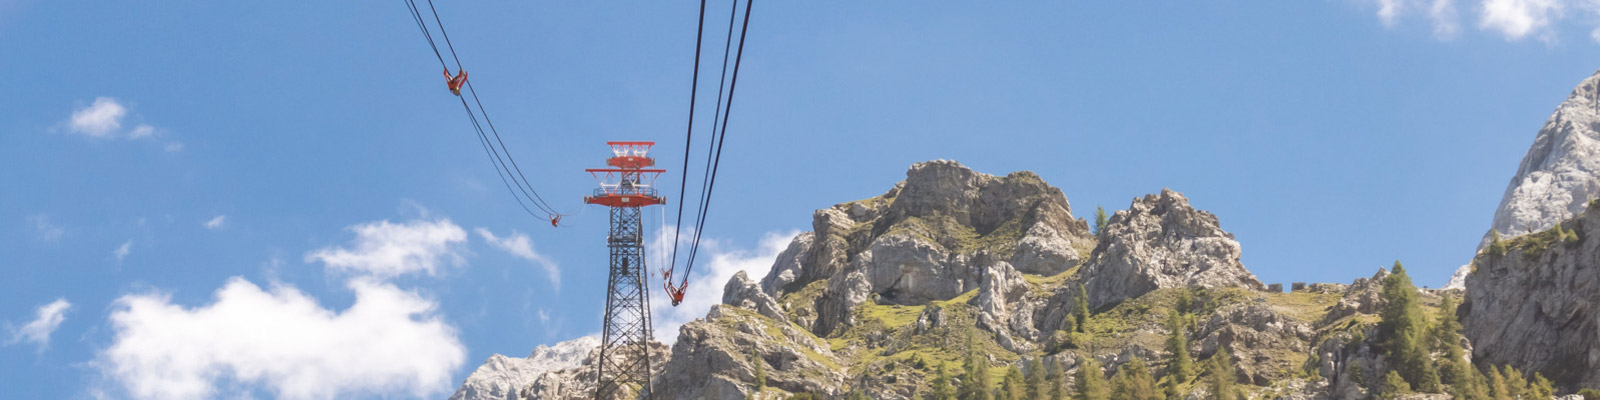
1536, 304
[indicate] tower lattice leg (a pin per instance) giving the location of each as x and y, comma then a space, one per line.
625, 338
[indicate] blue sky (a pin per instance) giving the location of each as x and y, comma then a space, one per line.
296, 174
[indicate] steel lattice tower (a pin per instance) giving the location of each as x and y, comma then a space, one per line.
625, 333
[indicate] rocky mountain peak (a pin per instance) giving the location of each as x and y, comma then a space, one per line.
1558, 175
502, 377
1161, 241
930, 238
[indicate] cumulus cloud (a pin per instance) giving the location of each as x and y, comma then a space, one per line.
44, 229
216, 223
520, 246
101, 119
717, 264
122, 251
1512, 19
47, 318
383, 249
104, 119
1517, 19
390, 342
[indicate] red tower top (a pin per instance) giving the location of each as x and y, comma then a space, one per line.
629, 183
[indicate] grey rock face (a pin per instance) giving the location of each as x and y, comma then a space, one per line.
1537, 307
1162, 242
1364, 296
1257, 337
922, 240
787, 268
1003, 309
715, 358
501, 377
1559, 174
744, 293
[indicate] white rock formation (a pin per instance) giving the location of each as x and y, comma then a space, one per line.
1558, 176
1162, 242
501, 377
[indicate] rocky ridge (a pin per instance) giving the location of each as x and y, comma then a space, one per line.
951, 263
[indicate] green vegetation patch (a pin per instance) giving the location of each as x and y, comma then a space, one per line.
1303, 306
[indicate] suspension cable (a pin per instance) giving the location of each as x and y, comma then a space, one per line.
688, 140
733, 84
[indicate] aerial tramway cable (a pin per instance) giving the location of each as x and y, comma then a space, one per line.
688, 141
714, 157
510, 174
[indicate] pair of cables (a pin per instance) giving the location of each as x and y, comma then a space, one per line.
719, 133
499, 156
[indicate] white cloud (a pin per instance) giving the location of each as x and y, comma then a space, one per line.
520, 246
102, 119
48, 318
717, 264
1441, 13
1512, 19
142, 131
44, 229
1517, 19
383, 249
217, 222
122, 251
173, 147
1444, 16
389, 343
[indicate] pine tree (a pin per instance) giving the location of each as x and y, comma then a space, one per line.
1394, 386
1056, 380
1223, 375
1454, 369
1540, 388
1516, 384
1012, 386
761, 370
1404, 328
1099, 220
1497, 384
1081, 310
974, 379
1180, 369
1133, 382
1091, 381
942, 390
1036, 380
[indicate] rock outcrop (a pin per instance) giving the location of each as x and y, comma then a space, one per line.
931, 237
501, 377
714, 357
1559, 174
1162, 242
1536, 306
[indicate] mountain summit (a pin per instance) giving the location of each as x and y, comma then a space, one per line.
1558, 176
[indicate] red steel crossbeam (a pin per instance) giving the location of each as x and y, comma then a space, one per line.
613, 194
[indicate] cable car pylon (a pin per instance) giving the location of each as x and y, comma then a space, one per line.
625, 187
